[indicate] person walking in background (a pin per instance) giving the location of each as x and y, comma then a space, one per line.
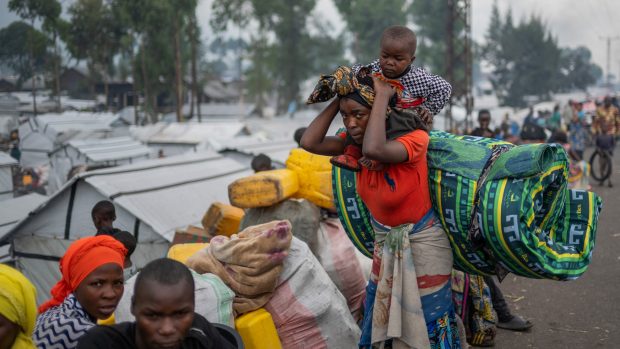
484, 120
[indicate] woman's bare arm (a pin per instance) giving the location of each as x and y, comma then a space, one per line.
376, 146
315, 140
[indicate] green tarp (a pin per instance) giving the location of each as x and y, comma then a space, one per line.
529, 222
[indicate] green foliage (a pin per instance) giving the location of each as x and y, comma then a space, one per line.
15, 52
525, 59
577, 72
366, 20
294, 55
94, 35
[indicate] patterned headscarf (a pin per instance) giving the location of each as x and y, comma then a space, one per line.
82, 258
18, 304
342, 82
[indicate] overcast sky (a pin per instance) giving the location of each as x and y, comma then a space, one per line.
573, 22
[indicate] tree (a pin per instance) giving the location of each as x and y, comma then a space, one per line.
23, 49
95, 35
31, 10
525, 58
56, 27
576, 69
293, 51
366, 20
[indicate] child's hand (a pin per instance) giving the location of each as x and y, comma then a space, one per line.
382, 87
425, 115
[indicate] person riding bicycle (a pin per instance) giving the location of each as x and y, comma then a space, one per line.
606, 125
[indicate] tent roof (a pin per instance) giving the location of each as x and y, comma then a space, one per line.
165, 194
14, 210
7, 160
109, 149
278, 150
77, 121
189, 132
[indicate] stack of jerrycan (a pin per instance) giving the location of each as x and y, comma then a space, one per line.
306, 176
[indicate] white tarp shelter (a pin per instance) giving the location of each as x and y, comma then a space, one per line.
11, 212
177, 138
152, 199
7, 166
93, 152
42, 134
248, 147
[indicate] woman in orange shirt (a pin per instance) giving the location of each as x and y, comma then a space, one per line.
408, 297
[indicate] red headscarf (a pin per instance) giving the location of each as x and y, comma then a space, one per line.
82, 258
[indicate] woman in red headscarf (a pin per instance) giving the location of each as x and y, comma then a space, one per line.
90, 288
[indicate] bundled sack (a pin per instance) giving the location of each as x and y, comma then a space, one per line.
339, 259
214, 300
327, 241
303, 215
249, 262
505, 208
307, 308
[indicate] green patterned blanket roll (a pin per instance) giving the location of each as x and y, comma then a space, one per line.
529, 222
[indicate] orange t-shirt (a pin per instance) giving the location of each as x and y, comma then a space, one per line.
399, 193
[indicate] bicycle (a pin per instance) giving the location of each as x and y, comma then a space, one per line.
601, 163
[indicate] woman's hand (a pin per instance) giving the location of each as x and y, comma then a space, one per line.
382, 87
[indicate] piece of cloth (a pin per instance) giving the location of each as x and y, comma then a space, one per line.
202, 335
409, 294
577, 136
82, 257
18, 304
399, 193
606, 121
249, 262
62, 325
418, 83
473, 304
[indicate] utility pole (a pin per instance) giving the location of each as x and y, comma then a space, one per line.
609, 39
458, 54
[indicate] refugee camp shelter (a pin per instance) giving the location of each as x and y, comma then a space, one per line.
247, 147
92, 153
153, 198
11, 212
177, 138
42, 134
8, 166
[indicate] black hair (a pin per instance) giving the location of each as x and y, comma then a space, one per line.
558, 137
127, 239
261, 162
103, 208
164, 271
401, 33
482, 112
298, 134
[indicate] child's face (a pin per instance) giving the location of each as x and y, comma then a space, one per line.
395, 57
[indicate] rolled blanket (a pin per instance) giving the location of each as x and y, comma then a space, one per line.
504, 207
249, 262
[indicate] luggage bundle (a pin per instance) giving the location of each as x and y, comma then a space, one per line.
504, 207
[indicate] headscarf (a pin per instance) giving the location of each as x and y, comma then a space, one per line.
82, 258
342, 82
18, 304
